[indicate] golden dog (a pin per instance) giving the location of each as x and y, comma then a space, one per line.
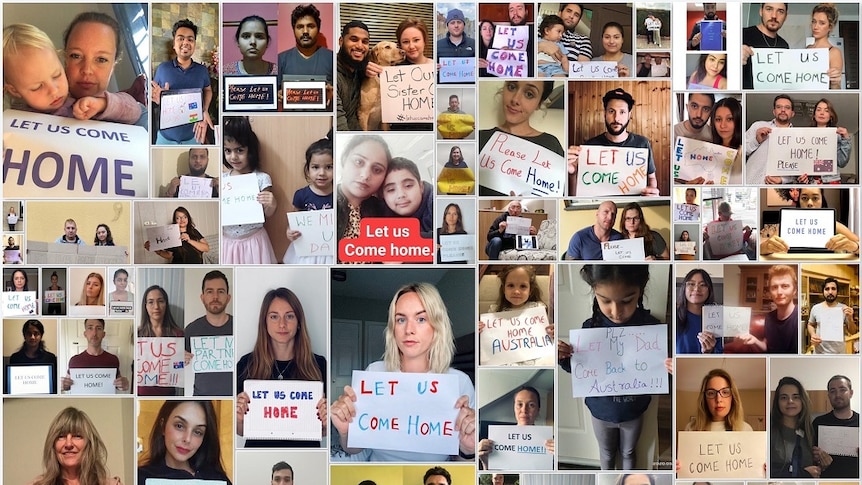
370, 114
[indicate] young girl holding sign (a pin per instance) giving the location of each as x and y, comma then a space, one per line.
246, 243
282, 351
184, 444
519, 290
317, 195
406, 195
618, 301
418, 340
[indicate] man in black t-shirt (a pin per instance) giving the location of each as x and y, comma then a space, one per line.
764, 34
215, 295
840, 391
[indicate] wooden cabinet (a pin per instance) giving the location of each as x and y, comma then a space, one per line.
754, 289
811, 293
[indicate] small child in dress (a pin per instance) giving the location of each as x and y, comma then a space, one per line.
317, 195
551, 29
519, 290
406, 195
34, 75
246, 243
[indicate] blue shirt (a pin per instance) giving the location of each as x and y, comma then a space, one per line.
585, 245
195, 77
686, 341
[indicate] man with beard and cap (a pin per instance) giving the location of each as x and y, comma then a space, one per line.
764, 34
757, 148
618, 106
578, 47
216, 322
709, 14
840, 391
586, 244
351, 62
820, 314
518, 16
199, 158
307, 58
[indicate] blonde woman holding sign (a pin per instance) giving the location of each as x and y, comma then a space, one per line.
824, 17
418, 340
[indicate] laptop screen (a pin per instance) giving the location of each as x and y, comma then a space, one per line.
807, 229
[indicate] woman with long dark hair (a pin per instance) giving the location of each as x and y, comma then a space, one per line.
33, 352
695, 292
157, 321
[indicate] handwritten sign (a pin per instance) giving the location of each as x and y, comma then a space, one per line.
180, 107
53, 296
299, 95
797, 151
611, 170
164, 237
831, 322
457, 69
624, 250
284, 410
29, 379
511, 37
93, 381
710, 35
405, 411
718, 454
686, 213
518, 225
520, 448
726, 321
195, 187
19, 303
12, 256
407, 93
459, 181
514, 336
724, 237
212, 354
251, 93
807, 228
617, 361
47, 156
695, 158
160, 361
838, 440
790, 69
509, 164
457, 247
685, 247
239, 203
507, 63
593, 70
317, 228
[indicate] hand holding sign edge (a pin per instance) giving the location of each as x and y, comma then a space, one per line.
465, 423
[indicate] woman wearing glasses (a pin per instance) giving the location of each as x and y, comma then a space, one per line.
695, 292
719, 407
634, 225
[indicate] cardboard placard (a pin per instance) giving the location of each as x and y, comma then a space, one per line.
624, 250
807, 228
507, 63
719, 454
685, 247
593, 70
405, 411
29, 379
53, 296
838, 440
47, 156
239, 203
251, 93
179, 107
457, 69
510, 164
797, 151
618, 361
93, 381
790, 69
696, 158
520, 448
457, 247
318, 232
283, 410
515, 336
725, 237
164, 237
160, 361
407, 93
212, 354
726, 321
611, 170
686, 213
19, 303
195, 187
304, 95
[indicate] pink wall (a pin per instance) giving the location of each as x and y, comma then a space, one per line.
327, 38
234, 12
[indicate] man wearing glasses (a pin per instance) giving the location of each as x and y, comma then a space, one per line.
834, 466
757, 146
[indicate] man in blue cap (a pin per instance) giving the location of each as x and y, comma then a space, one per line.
456, 43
